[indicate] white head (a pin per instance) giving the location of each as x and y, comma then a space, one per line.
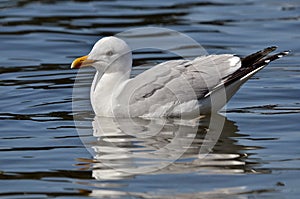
109, 54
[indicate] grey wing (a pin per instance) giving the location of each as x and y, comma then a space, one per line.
174, 82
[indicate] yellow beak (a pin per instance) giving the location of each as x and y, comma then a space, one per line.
82, 62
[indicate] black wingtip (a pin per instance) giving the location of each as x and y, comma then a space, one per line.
283, 53
256, 57
255, 61
268, 59
287, 52
272, 48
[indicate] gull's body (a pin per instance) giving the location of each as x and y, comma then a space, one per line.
171, 89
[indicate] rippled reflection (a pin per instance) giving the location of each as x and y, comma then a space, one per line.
217, 193
125, 147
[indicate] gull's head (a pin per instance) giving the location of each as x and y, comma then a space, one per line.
110, 54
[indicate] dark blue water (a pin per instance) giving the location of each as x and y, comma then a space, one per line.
43, 154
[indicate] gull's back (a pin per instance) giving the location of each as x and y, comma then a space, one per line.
183, 87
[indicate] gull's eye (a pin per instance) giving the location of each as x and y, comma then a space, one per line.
109, 53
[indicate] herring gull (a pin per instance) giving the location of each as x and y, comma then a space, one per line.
170, 89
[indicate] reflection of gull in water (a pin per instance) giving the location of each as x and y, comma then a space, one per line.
235, 192
134, 146
174, 88
127, 147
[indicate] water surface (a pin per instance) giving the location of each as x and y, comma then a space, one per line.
42, 155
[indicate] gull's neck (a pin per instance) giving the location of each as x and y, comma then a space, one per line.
104, 90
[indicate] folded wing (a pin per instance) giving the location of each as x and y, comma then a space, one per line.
165, 86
